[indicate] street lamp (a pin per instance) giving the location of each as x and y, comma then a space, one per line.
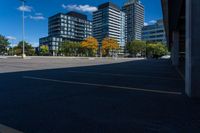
23, 6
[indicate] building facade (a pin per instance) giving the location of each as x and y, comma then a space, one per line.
183, 29
72, 26
135, 19
109, 21
154, 32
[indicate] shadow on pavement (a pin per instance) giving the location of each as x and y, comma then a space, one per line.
113, 98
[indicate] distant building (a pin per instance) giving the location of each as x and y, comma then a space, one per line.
154, 32
109, 21
72, 26
37, 51
135, 19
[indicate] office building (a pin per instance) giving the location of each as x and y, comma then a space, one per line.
62, 27
109, 21
154, 32
135, 19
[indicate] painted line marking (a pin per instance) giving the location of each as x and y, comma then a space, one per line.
123, 75
6, 129
103, 85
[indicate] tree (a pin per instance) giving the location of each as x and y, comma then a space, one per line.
44, 50
29, 50
109, 46
4, 43
70, 48
136, 47
89, 46
156, 50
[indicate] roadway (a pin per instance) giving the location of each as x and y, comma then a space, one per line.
81, 95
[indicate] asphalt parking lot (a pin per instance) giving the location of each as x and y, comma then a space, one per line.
95, 95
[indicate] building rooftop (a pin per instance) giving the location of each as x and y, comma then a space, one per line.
108, 4
73, 14
76, 14
131, 2
158, 23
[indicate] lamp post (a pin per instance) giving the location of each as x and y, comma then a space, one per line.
23, 50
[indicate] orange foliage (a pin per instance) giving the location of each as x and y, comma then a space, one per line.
90, 43
109, 44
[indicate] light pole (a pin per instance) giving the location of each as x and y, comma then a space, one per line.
23, 50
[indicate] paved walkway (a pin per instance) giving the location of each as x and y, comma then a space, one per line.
141, 96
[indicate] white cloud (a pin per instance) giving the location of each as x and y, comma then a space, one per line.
145, 24
11, 38
25, 8
152, 22
37, 17
82, 8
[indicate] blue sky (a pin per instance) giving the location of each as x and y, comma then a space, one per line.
38, 11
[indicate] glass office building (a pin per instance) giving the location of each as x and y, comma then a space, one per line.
135, 19
154, 32
62, 27
109, 21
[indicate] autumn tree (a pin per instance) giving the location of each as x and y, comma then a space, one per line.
109, 46
90, 46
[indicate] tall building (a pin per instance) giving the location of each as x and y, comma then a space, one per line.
72, 26
109, 21
154, 32
135, 19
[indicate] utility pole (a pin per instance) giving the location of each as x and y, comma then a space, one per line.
23, 6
